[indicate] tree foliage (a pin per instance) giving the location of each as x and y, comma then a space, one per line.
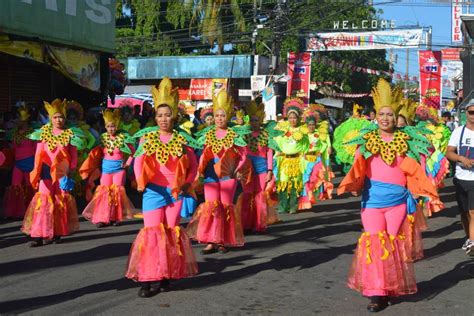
175, 27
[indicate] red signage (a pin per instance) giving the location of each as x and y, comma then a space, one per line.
451, 53
200, 89
430, 78
299, 69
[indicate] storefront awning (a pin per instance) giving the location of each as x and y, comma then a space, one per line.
189, 67
84, 24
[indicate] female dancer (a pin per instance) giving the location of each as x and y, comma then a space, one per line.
216, 221
317, 175
255, 204
164, 167
110, 203
20, 193
387, 172
52, 212
289, 162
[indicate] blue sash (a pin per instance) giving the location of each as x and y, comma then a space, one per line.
111, 166
259, 164
188, 207
25, 164
380, 194
156, 196
65, 183
210, 175
45, 172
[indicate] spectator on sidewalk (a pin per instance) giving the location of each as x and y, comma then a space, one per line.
461, 151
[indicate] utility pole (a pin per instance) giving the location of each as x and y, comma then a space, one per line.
406, 74
254, 34
276, 46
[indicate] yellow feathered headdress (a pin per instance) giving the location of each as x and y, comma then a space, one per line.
111, 116
23, 112
383, 95
166, 95
357, 110
57, 106
408, 108
223, 102
256, 110
240, 114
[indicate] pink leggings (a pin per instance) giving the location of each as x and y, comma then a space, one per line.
117, 178
376, 220
168, 215
20, 177
223, 191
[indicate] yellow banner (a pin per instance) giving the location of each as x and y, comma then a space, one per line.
30, 50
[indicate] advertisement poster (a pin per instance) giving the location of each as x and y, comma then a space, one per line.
451, 70
200, 89
430, 78
299, 69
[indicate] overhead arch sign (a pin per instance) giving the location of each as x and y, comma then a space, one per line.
338, 41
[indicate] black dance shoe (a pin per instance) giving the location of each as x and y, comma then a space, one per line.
377, 303
147, 290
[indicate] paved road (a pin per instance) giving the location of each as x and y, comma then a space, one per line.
298, 268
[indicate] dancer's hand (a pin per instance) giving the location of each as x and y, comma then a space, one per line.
269, 176
239, 176
185, 187
355, 193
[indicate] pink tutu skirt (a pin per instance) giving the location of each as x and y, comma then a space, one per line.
160, 253
51, 215
216, 223
257, 211
382, 267
16, 200
109, 204
412, 228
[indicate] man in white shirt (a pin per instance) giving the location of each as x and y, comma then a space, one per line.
461, 151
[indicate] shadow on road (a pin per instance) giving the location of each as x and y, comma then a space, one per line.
65, 259
303, 260
428, 290
30, 304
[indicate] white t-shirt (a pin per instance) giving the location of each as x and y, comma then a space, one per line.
467, 140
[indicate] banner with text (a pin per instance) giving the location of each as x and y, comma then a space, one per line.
456, 11
299, 69
451, 69
430, 78
409, 38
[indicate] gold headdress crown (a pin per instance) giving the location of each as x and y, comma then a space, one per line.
222, 101
384, 96
408, 108
23, 112
258, 110
111, 116
57, 106
166, 95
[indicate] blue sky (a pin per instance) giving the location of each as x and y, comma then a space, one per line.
438, 16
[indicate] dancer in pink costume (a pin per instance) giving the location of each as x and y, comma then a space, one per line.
164, 167
216, 221
255, 203
387, 173
53, 213
20, 193
110, 204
